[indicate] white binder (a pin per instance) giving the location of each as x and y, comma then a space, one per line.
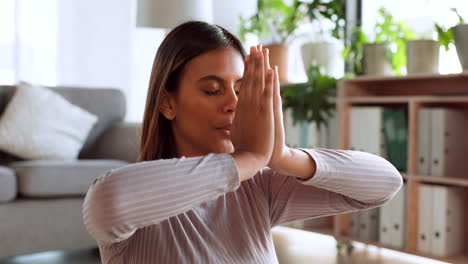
292, 132
425, 219
354, 221
369, 224
385, 224
392, 220
424, 141
447, 216
332, 132
355, 142
398, 218
372, 133
448, 158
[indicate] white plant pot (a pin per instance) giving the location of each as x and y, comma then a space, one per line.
325, 54
375, 61
461, 42
422, 56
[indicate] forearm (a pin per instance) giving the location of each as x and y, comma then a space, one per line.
358, 175
247, 164
297, 163
149, 192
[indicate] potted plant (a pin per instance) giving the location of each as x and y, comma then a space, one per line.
277, 21
457, 35
324, 52
422, 56
386, 55
310, 101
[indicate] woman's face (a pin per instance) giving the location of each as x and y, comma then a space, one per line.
205, 104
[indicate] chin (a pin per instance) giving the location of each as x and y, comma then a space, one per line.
225, 148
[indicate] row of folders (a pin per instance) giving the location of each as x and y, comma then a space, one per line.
384, 132
441, 137
440, 221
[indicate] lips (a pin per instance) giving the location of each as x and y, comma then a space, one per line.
226, 130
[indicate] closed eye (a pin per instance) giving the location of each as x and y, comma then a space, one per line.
212, 92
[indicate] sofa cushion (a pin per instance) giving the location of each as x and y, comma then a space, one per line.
108, 104
8, 187
51, 178
38, 124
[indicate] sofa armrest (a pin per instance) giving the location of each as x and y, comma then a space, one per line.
8, 184
120, 142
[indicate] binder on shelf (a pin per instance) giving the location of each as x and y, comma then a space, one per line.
425, 219
355, 142
392, 224
447, 221
311, 137
424, 141
448, 144
398, 218
331, 137
385, 224
396, 137
292, 132
369, 224
372, 132
366, 130
354, 221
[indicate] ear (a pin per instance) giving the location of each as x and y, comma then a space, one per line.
168, 106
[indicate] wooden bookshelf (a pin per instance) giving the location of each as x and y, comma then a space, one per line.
413, 93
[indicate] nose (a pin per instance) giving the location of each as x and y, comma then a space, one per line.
230, 102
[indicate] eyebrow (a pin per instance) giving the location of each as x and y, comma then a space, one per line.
214, 78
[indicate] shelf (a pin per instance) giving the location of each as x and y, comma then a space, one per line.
405, 99
418, 85
416, 77
441, 179
411, 92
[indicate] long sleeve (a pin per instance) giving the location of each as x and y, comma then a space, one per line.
145, 193
344, 181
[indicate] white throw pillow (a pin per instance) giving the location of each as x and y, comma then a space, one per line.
38, 123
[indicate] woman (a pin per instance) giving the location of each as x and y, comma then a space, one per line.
214, 174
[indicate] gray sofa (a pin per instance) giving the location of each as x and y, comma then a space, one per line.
40, 200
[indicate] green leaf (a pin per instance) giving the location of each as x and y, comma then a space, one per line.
310, 101
445, 37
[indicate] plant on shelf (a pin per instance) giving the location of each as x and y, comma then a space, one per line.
447, 36
273, 19
334, 11
354, 50
310, 101
387, 31
390, 31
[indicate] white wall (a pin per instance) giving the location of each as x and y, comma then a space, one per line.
94, 44
35, 48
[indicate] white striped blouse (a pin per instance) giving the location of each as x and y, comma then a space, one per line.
196, 210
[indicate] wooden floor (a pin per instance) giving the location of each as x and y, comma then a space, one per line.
293, 246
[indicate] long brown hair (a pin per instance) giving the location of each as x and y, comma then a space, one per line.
182, 44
